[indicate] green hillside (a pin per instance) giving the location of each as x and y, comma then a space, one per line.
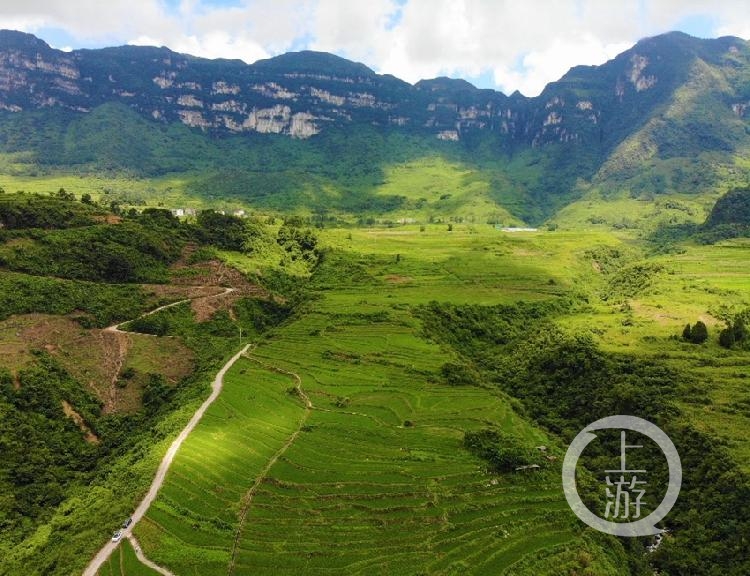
440, 286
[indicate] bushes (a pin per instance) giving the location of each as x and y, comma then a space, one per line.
155, 324
696, 334
100, 304
43, 450
503, 453
735, 334
298, 243
732, 208
459, 374
24, 212
156, 393
128, 252
225, 231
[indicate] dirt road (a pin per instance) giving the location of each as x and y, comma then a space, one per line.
161, 473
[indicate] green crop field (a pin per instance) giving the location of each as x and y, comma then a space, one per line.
377, 480
337, 445
124, 562
374, 478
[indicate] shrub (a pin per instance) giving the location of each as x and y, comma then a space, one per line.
726, 337
696, 334
459, 374
504, 453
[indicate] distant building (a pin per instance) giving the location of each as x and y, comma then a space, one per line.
514, 229
239, 213
406, 220
190, 211
179, 212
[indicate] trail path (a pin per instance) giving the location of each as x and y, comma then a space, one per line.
161, 473
143, 560
116, 327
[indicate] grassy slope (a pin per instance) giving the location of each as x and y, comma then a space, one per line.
472, 194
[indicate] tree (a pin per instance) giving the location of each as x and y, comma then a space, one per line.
459, 374
156, 393
726, 337
740, 332
222, 230
62, 194
86, 199
699, 333
503, 452
696, 334
686, 333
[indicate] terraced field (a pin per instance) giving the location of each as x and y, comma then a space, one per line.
376, 482
193, 521
373, 479
125, 563
380, 482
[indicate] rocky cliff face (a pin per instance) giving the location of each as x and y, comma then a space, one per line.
303, 94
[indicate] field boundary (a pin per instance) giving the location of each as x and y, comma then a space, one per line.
248, 497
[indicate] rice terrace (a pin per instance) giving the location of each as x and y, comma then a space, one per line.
292, 316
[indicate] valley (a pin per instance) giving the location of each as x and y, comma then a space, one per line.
414, 296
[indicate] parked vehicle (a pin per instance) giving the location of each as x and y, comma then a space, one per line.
116, 536
127, 522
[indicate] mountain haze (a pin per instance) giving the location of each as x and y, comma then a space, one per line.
668, 115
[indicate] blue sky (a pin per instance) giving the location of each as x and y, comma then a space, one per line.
501, 44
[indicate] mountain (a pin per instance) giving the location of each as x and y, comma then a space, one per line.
670, 114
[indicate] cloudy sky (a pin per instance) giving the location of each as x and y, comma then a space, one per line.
503, 44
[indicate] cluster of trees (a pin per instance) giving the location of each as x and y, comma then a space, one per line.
128, 252
459, 374
67, 239
503, 452
43, 450
731, 209
94, 304
222, 230
697, 333
298, 243
735, 334
46, 212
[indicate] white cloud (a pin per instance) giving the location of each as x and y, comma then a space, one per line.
521, 44
542, 66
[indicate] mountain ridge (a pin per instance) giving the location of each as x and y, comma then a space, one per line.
669, 114
305, 109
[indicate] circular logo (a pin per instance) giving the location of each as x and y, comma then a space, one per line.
625, 488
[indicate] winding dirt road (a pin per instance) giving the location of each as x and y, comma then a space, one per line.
161, 473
